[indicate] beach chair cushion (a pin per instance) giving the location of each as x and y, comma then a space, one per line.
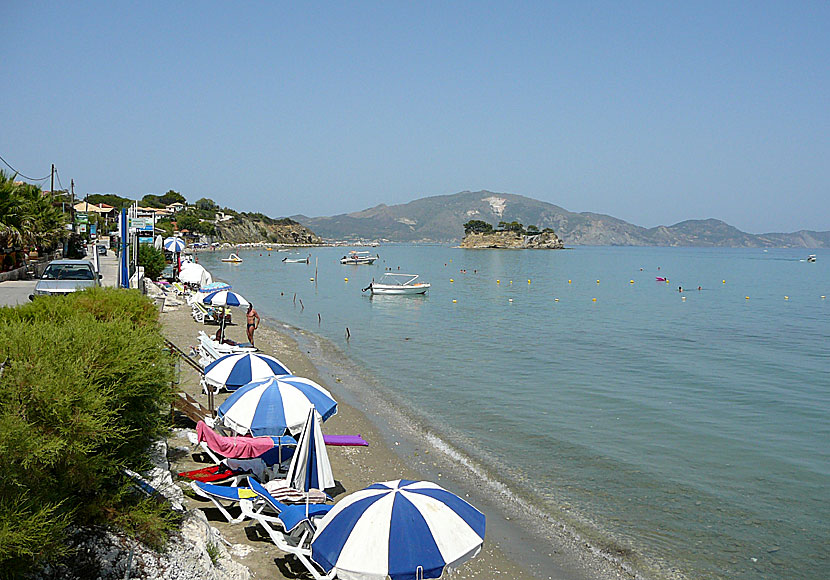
291, 516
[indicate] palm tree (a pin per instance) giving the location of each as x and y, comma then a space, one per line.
28, 216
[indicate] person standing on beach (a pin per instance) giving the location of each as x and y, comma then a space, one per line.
253, 322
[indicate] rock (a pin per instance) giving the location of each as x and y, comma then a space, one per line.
512, 240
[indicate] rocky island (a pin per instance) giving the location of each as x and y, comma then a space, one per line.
480, 235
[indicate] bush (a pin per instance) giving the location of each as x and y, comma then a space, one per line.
152, 259
478, 227
82, 395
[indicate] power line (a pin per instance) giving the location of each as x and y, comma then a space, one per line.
24, 176
58, 175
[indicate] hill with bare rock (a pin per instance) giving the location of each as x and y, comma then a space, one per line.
256, 227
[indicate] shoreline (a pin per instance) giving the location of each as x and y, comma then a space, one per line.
517, 529
354, 468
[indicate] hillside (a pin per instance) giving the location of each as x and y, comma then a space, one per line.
246, 228
441, 219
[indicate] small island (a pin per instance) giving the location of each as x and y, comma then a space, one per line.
479, 234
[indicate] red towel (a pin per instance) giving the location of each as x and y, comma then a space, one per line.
208, 474
237, 447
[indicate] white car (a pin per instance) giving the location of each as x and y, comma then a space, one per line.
62, 277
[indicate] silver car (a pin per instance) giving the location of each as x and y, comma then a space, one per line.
64, 276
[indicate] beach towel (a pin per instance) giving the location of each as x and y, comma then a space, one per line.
345, 440
236, 447
208, 474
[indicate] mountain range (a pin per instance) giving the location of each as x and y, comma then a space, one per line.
441, 219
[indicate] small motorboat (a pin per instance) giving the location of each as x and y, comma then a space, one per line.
811, 258
359, 258
233, 259
398, 284
297, 260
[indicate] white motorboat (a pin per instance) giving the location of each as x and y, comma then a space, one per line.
395, 284
233, 259
359, 258
297, 260
811, 258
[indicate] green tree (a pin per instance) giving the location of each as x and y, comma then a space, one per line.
116, 201
477, 227
532, 229
513, 226
186, 221
154, 201
152, 259
28, 216
172, 197
206, 204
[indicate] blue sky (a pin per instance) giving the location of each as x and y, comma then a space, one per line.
651, 112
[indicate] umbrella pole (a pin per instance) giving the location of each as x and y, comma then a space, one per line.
222, 326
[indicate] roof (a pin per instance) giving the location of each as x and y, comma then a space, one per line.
71, 262
93, 207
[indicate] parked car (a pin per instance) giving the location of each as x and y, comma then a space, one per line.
102, 250
64, 276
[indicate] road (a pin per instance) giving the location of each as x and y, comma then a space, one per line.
16, 292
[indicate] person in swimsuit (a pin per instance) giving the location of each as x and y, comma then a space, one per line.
253, 322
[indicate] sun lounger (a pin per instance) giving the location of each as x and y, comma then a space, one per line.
292, 529
211, 350
217, 494
209, 474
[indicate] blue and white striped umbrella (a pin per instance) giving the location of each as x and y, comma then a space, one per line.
400, 530
310, 466
234, 370
225, 298
270, 406
175, 245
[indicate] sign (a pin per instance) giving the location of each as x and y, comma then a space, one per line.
81, 218
143, 224
93, 229
82, 228
145, 240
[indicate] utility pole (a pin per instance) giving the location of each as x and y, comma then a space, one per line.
72, 185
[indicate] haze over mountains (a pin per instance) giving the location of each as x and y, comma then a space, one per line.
441, 219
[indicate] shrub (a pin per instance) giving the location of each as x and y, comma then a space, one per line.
82, 395
478, 227
152, 259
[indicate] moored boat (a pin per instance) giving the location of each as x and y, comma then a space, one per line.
359, 258
811, 258
297, 260
398, 284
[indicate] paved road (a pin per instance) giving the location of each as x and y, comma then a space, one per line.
16, 292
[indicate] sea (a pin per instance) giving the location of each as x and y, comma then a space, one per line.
679, 426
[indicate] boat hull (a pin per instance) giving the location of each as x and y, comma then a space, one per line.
358, 262
393, 290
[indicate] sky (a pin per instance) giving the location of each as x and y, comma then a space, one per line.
653, 112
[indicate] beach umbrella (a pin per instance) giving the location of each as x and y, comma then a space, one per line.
225, 298
175, 245
234, 370
191, 273
310, 467
270, 406
398, 529
212, 287
158, 243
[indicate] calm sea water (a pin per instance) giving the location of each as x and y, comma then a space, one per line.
694, 433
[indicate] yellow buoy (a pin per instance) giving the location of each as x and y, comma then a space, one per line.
454, 301
451, 280
595, 299
822, 297
556, 299
569, 281
498, 281
597, 281
345, 279
631, 281
724, 281
511, 281
528, 281
747, 297
311, 279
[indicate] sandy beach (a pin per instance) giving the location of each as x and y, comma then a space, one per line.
354, 467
